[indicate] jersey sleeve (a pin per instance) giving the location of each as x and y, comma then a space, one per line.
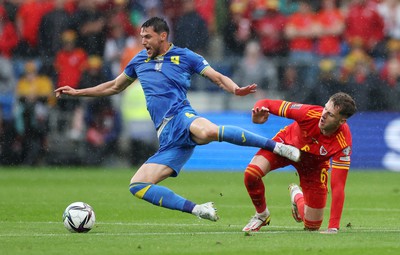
339, 172
130, 72
287, 109
196, 61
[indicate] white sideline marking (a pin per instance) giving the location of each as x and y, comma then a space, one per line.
268, 231
328, 208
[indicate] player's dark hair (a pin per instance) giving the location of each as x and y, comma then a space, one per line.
345, 102
159, 25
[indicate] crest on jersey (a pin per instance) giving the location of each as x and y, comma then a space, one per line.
158, 66
322, 151
159, 63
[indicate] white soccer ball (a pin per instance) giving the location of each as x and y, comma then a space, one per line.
79, 217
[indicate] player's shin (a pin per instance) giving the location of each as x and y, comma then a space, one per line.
160, 196
255, 187
242, 137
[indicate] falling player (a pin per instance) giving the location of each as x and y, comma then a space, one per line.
321, 133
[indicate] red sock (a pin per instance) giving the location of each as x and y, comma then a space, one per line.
312, 225
255, 187
299, 200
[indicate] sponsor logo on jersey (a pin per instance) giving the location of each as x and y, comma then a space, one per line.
295, 106
189, 115
175, 59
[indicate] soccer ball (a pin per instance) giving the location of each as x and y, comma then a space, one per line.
79, 217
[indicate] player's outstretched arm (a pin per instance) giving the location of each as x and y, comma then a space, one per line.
104, 89
227, 84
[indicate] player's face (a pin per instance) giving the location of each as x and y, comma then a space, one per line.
152, 41
331, 119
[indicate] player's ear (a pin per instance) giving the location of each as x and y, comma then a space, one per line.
342, 121
164, 36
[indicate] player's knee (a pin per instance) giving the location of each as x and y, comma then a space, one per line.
206, 134
139, 189
252, 175
210, 133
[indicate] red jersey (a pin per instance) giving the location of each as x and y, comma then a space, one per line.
305, 134
301, 22
69, 66
29, 15
364, 22
270, 30
8, 39
329, 44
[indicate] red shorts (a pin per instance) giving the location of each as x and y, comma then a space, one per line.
313, 175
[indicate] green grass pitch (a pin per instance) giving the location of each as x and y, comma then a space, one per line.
32, 201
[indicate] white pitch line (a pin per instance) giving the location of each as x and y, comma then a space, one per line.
184, 233
270, 230
207, 224
327, 208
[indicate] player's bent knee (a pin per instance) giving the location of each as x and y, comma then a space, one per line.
252, 174
138, 189
209, 133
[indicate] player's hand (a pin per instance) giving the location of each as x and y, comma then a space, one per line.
330, 231
243, 91
259, 115
67, 90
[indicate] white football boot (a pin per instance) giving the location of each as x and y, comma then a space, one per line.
294, 189
206, 211
256, 222
287, 151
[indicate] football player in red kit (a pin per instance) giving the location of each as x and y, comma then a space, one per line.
322, 134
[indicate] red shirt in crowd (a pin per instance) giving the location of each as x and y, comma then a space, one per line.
69, 66
29, 15
364, 23
270, 31
301, 22
8, 35
329, 44
206, 9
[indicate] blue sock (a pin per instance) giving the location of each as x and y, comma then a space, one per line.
242, 137
161, 196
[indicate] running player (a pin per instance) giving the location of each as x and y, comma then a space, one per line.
164, 72
322, 134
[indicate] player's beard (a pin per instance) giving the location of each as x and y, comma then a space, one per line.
155, 51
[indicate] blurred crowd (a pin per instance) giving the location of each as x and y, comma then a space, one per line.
303, 50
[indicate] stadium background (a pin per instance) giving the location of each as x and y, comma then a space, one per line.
376, 128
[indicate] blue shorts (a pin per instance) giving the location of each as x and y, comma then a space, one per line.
176, 144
